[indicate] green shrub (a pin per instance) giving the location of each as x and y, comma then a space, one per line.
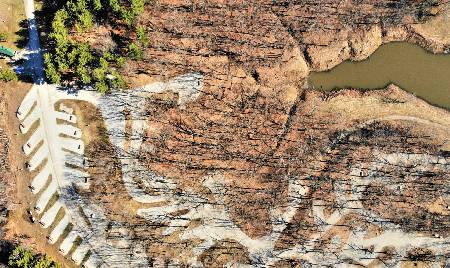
8, 75
142, 36
137, 7
120, 61
21, 257
114, 4
46, 262
134, 51
101, 87
130, 13
118, 82
97, 5
3, 37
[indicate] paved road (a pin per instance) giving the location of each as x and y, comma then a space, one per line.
35, 53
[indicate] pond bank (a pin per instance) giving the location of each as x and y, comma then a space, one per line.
409, 66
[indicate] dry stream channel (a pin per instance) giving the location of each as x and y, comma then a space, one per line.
407, 65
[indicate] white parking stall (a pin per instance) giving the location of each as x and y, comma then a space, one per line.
45, 197
70, 131
33, 141
77, 177
29, 121
80, 252
38, 158
40, 179
59, 229
26, 105
66, 117
67, 243
92, 262
50, 215
76, 146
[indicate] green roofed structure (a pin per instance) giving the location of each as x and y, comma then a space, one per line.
7, 51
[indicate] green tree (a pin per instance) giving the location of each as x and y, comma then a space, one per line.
24, 258
100, 72
50, 70
130, 13
114, 4
69, 60
46, 262
60, 35
97, 5
120, 61
127, 15
21, 258
81, 16
86, 21
137, 7
84, 58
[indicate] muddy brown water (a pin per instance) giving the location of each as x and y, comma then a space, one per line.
409, 66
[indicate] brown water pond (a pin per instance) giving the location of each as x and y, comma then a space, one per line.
407, 65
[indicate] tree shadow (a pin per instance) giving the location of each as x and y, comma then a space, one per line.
45, 14
22, 33
21, 70
6, 248
20, 65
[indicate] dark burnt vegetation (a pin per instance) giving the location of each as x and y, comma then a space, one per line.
253, 139
236, 134
239, 136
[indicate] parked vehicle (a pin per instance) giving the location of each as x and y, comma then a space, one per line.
31, 216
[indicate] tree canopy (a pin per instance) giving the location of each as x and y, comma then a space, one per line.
24, 258
70, 60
